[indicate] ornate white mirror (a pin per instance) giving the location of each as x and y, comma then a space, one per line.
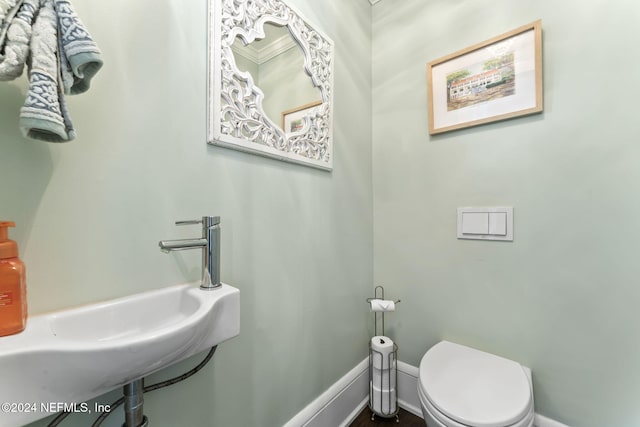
270, 82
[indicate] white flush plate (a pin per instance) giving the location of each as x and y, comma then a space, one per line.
482, 223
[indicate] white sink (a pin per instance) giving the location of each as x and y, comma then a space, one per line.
74, 355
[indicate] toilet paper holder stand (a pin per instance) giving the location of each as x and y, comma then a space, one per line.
383, 396
376, 313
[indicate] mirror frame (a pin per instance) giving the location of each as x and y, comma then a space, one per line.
235, 116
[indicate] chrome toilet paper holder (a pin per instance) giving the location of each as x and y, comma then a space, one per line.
386, 382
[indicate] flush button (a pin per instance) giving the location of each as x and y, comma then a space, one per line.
494, 223
498, 223
475, 223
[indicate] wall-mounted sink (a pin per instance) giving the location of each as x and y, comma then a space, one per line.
74, 355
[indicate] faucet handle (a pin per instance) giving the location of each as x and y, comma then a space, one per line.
189, 222
207, 221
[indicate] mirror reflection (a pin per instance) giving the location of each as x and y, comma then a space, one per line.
276, 64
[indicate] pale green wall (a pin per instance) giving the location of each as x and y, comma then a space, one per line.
296, 241
563, 297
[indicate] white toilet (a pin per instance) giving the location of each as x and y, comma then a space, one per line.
459, 386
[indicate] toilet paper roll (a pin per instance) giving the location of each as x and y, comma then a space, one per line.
384, 379
382, 305
382, 402
382, 354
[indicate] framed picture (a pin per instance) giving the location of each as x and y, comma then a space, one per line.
497, 79
292, 119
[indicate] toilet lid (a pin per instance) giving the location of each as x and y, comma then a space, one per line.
473, 387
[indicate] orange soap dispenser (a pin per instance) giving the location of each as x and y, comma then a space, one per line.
13, 285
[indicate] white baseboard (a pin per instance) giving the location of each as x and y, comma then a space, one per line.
542, 421
341, 403
408, 388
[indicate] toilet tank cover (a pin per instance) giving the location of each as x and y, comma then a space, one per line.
473, 387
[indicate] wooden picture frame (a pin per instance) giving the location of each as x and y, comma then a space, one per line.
292, 119
498, 79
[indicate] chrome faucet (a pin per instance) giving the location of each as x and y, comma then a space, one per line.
210, 244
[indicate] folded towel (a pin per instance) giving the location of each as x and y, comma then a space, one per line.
63, 60
8, 9
42, 115
80, 58
14, 37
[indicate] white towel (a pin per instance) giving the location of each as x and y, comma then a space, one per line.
42, 116
64, 59
15, 34
80, 58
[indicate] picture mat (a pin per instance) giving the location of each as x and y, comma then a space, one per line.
523, 45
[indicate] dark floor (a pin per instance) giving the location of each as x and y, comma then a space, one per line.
407, 419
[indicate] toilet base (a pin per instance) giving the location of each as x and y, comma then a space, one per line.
431, 420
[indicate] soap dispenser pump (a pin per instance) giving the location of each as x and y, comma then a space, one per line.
13, 285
